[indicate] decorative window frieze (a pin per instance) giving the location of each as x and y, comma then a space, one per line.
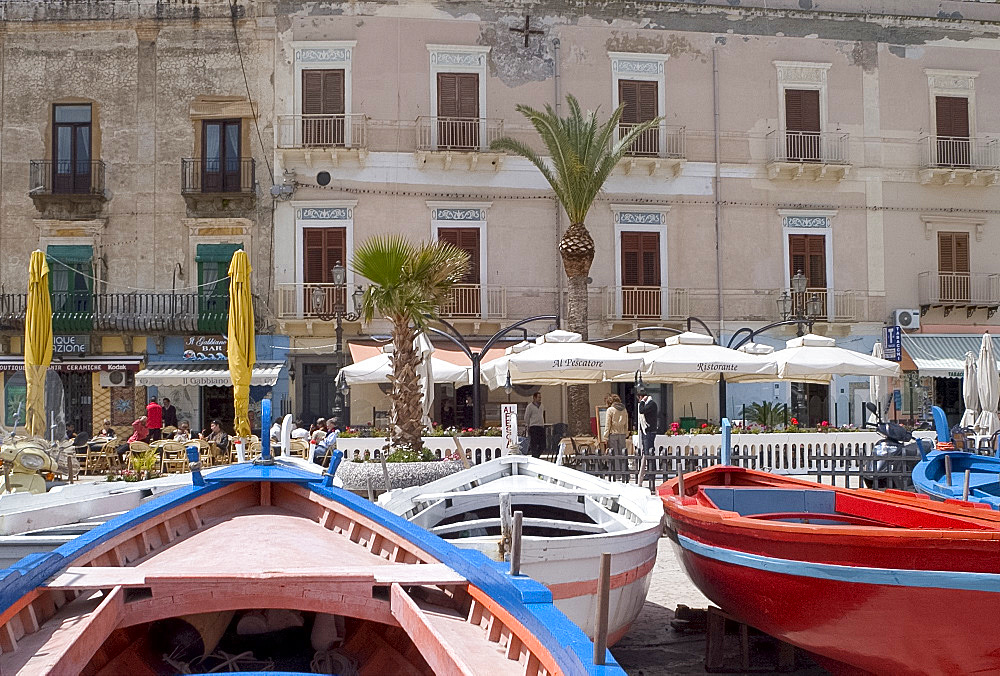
639, 218
458, 214
806, 222
802, 72
324, 214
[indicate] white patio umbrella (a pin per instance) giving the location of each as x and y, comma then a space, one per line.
637, 346
425, 371
377, 369
695, 358
812, 358
878, 387
988, 381
560, 358
970, 391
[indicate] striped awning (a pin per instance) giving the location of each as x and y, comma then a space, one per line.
940, 355
203, 375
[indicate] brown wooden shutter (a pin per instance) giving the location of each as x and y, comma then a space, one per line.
640, 258
802, 110
648, 101
333, 92
953, 252
631, 267
447, 103
468, 95
312, 92
640, 99
323, 92
952, 113
466, 239
808, 254
323, 248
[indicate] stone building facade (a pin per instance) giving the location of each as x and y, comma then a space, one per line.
135, 151
859, 147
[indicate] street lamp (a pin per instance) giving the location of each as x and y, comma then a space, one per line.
797, 307
335, 309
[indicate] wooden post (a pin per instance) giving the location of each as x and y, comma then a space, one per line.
965, 485
680, 483
461, 452
371, 491
642, 469
947, 469
506, 525
385, 474
601, 620
515, 544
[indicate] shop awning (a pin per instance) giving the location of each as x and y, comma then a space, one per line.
103, 363
203, 375
940, 355
448, 353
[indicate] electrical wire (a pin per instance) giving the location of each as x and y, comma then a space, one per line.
246, 82
132, 288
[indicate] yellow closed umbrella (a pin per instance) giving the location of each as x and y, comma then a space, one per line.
241, 351
37, 342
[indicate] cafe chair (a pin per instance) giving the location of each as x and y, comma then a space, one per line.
173, 458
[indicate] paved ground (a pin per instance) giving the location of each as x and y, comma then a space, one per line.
652, 647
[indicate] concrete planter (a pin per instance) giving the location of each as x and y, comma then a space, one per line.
356, 475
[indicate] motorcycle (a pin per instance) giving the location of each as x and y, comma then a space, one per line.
894, 456
29, 461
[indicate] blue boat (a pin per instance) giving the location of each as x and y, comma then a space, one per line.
271, 568
941, 474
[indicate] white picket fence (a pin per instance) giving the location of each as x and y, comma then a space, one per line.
797, 453
477, 449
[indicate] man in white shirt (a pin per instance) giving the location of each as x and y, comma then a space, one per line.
534, 420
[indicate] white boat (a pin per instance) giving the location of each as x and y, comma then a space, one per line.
569, 520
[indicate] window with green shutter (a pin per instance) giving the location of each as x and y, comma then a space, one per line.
213, 288
71, 285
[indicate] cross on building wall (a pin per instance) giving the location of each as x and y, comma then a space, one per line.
527, 30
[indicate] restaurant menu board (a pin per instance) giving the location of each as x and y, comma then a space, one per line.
200, 348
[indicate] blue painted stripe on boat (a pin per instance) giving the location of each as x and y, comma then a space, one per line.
891, 577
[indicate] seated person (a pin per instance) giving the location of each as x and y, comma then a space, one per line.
318, 430
183, 432
325, 448
139, 433
276, 431
300, 432
107, 431
217, 436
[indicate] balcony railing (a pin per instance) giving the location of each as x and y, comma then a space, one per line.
75, 312
661, 141
646, 302
467, 301
827, 147
323, 131
464, 134
66, 177
960, 289
199, 175
953, 152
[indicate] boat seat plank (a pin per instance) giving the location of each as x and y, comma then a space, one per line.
448, 642
581, 527
748, 501
515, 495
97, 577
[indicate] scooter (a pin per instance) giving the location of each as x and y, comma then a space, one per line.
895, 455
24, 460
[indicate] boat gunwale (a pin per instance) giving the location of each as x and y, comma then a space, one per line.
521, 599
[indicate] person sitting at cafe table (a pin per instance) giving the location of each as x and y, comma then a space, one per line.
183, 432
139, 433
217, 436
107, 430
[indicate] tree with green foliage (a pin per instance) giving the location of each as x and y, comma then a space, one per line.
409, 282
582, 153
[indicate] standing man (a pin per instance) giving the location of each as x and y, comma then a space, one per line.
169, 414
154, 419
648, 422
534, 420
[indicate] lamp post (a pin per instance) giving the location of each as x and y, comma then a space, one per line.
334, 308
799, 307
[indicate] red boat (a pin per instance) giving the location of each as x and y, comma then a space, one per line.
869, 582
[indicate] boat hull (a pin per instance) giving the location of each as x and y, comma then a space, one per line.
929, 477
882, 583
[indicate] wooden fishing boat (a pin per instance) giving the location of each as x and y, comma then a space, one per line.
878, 582
931, 477
570, 518
213, 569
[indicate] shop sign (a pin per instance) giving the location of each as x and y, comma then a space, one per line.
201, 348
70, 344
892, 344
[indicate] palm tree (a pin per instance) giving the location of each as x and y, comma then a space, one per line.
583, 152
409, 282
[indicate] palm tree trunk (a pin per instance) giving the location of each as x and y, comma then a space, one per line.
577, 250
406, 411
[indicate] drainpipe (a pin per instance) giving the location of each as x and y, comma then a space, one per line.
559, 225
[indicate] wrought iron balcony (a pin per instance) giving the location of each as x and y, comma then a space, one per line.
951, 290
808, 154
646, 302
469, 300
663, 140
460, 134
214, 176
76, 312
323, 131
960, 160
49, 178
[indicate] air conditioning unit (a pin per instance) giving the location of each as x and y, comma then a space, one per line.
114, 378
908, 320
